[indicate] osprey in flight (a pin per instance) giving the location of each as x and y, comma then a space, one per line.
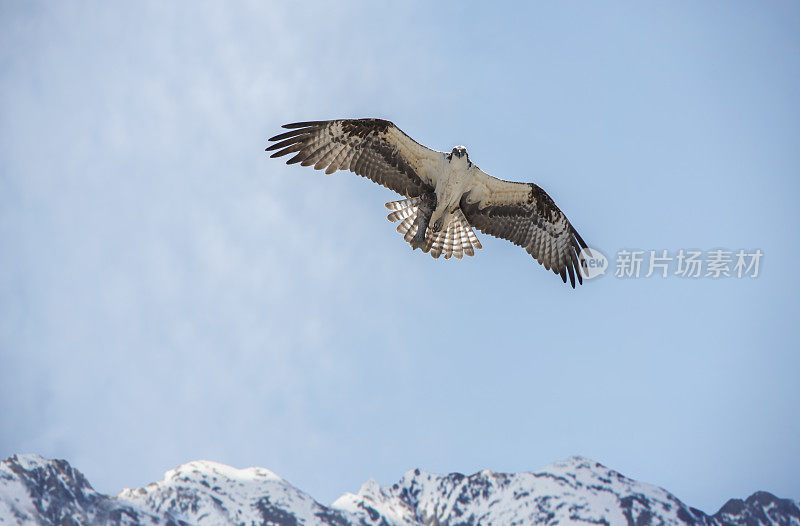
447, 194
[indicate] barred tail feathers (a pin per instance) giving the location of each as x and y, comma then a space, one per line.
456, 240
406, 212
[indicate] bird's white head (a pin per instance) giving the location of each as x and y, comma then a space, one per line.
459, 155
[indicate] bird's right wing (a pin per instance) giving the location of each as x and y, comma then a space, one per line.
373, 148
524, 214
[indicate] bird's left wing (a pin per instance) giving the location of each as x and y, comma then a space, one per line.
524, 214
373, 148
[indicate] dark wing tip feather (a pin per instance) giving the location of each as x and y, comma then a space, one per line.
271, 147
306, 124
581, 242
577, 246
297, 158
280, 153
288, 142
286, 135
571, 270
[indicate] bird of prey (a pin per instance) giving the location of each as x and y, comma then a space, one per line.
446, 193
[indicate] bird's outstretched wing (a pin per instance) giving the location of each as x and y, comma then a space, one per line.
372, 148
524, 214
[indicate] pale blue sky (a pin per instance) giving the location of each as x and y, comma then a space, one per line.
168, 293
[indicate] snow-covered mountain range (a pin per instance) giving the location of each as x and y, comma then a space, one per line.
34, 490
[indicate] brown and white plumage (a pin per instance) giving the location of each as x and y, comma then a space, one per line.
373, 148
524, 214
455, 241
447, 195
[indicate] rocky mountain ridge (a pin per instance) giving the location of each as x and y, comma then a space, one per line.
34, 490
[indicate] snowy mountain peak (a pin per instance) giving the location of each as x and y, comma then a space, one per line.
210, 469
34, 490
30, 461
594, 494
204, 489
